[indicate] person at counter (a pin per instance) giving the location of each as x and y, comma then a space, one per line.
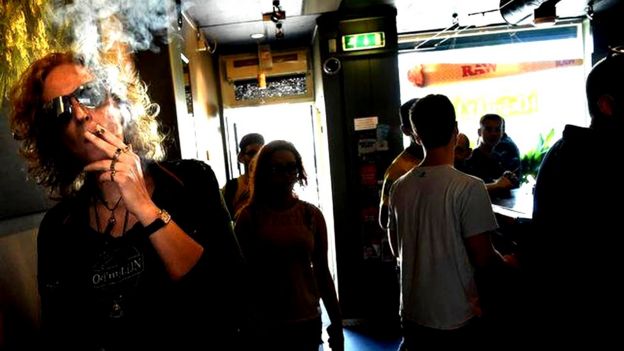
496, 159
463, 151
405, 161
574, 257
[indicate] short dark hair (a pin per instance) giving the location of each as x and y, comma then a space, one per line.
404, 112
249, 139
605, 78
492, 117
433, 120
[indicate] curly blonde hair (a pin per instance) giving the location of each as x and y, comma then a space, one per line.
46, 156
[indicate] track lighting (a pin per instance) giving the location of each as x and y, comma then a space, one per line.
279, 32
277, 14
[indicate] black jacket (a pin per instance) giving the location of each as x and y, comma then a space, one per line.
114, 293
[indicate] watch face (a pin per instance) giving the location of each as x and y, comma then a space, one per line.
165, 216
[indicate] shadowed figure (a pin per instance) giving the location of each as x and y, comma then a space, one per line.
574, 255
136, 251
284, 241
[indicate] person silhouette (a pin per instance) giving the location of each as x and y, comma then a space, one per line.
136, 250
405, 161
236, 190
573, 255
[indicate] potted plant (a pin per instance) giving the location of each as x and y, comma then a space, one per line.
532, 160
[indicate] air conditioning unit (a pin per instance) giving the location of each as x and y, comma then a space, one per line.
287, 74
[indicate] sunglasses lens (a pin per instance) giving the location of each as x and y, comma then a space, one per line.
91, 95
290, 169
59, 108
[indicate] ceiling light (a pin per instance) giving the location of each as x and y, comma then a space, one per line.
257, 36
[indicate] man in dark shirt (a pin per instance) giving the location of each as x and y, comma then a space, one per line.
574, 255
496, 155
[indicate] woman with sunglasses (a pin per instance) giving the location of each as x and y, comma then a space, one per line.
284, 241
137, 254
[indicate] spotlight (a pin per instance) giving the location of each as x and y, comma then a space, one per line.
279, 32
278, 15
545, 14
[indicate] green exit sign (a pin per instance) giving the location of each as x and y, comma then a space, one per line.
363, 41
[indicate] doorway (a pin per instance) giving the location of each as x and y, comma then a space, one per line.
290, 122
303, 125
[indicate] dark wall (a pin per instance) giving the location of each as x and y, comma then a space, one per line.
18, 195
366, 85
606, 27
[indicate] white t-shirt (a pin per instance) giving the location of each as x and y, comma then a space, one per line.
432, 210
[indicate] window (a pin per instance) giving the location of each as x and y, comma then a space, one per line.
534, 78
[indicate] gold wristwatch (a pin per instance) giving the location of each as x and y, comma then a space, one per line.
162, 220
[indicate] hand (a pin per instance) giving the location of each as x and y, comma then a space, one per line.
503, 183
336, 338
123, 167
512, 177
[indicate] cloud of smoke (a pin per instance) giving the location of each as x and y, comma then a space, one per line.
141, 22
105, 32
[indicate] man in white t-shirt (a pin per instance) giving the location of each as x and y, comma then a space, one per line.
439, 229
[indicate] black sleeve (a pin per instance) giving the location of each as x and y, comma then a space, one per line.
217, 278
55, 291
548, 213
547, 189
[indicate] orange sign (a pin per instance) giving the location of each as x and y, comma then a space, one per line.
422, 75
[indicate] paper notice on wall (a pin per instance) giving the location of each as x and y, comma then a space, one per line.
365, 123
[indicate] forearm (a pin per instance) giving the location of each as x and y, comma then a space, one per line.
330, 298
178, 251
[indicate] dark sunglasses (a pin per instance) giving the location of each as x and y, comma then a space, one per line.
90, 95
289, 169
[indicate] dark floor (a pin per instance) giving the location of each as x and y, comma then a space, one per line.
357, 339
366, 337
361, 340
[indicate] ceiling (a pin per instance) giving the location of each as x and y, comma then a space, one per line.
230, 23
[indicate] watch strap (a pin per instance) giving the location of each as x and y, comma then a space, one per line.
161, 221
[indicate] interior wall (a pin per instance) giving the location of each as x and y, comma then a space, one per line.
322, 154
18, 195
365, 86
607, 30
206, 118
19, 299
